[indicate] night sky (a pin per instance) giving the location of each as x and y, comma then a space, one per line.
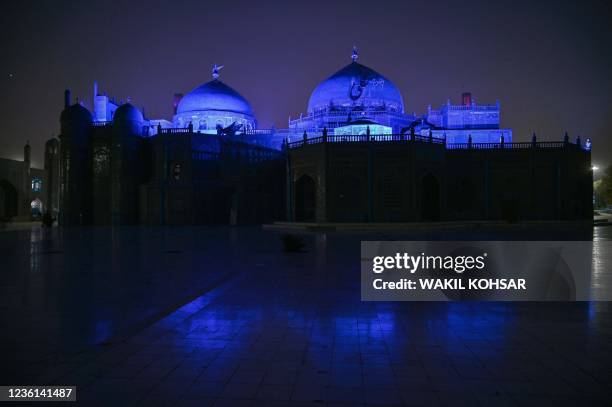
549, 64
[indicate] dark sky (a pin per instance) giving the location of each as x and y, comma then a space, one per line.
550, 64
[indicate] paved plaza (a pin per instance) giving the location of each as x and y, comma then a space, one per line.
224, 317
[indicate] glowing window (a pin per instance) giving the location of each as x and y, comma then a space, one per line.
36, 206
36, 184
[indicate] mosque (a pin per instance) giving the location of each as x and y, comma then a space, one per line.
357, 98
26, 192
354, 156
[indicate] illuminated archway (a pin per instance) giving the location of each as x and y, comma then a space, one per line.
37, 208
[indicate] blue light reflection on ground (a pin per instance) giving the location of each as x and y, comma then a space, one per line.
292, 318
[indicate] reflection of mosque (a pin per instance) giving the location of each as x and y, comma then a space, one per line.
355, 156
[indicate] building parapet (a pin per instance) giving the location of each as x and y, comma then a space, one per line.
352, 138
364, 138
508, 146
471, 107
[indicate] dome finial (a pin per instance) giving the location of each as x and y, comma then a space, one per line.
355, 53
215, 71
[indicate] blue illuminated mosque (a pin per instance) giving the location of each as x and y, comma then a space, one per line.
354, 100
355, 155
357, 98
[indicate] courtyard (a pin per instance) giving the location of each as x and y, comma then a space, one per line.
223, 316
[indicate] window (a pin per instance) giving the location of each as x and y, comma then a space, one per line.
176, 172
101, 160
36, 184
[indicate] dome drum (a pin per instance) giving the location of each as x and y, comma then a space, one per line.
208, 120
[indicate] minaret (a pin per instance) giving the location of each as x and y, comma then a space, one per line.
175, 101
27, 179
93, 103
27, 150
52, 165
75, 159
67, 98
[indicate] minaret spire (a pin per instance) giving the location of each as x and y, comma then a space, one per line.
215, 71
355, 53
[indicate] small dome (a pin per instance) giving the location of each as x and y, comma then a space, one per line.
216, 96
356, 84
127, 113
76, 113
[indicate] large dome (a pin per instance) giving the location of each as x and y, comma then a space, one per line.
356, 85
214, 96
127, 113
128, 120
214, 106
76, 112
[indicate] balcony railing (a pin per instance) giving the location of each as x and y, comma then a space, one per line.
488, 108
507, 146
364, 138
407, 138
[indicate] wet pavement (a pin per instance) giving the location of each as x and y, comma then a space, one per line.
221, 316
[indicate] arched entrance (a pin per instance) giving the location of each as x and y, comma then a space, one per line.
37, 208
430, 198
8, 200
305, 199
